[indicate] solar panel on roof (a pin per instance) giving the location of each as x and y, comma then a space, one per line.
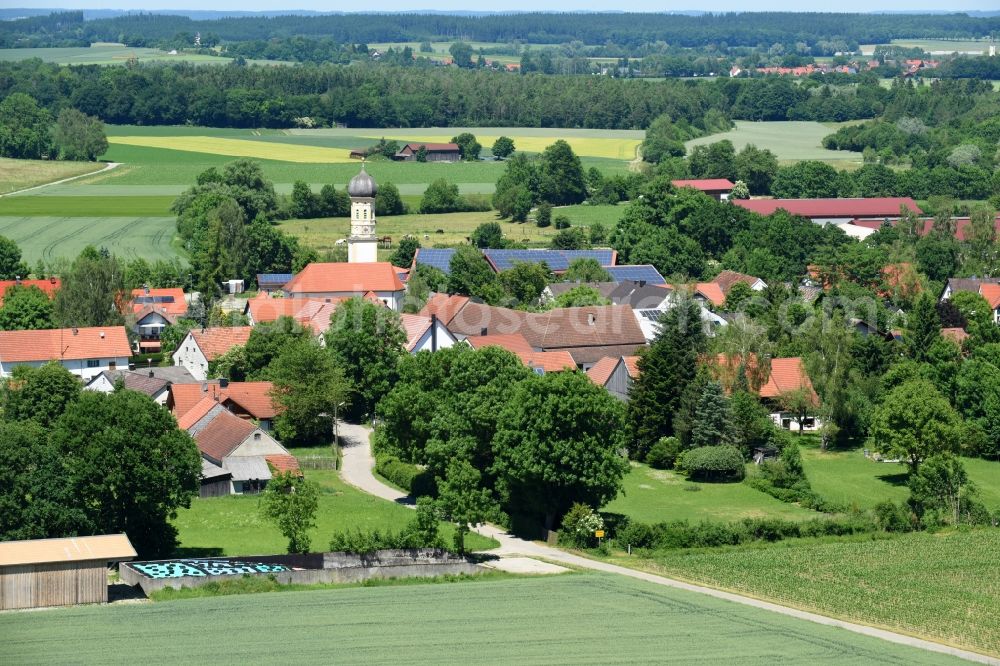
647, 274
557, 260
436, 257
274, 278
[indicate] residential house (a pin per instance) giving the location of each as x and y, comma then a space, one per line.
991, 292
433, 152
956, 285
153, 310
144, 382
49, 287
236, 452
587, 333
247, 400
716, 291
616, 374
862, 228
85, 352
321, 281
500, 260
538, 361
785, 376
425, 333
649, 302
202, 346
717, 188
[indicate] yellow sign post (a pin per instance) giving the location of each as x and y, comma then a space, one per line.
599, 534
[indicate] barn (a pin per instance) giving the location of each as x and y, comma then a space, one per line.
433, 152
59, 572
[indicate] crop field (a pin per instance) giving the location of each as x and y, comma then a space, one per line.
937, 46
448, 229
577, 618
233, 525
942, 586
86, 206
791, 140
104, 54
238, 148
651, 496
21, 174
51, 237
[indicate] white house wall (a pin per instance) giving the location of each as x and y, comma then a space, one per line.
86, 369
190, 357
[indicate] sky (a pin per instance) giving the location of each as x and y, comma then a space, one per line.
523, 5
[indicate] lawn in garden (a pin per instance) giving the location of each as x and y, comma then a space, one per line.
651, 496
233, 525
573, 619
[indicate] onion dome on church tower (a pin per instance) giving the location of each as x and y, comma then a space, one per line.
362, 186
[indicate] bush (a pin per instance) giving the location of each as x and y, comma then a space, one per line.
409, 477
562, 222
663, 454
579, 525
892, 517
543, 214
720, 464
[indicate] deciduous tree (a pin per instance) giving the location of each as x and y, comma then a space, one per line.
915, 422
79, 136
291, 502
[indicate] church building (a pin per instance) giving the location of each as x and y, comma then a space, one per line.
362, 244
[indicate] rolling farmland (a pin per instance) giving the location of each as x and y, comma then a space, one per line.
791, 141
21, 174
574, 618
941, 586
109, 54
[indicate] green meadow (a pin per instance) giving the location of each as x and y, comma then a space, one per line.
791, 141
572, 619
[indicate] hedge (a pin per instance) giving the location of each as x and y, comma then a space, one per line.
416, 481
713, 463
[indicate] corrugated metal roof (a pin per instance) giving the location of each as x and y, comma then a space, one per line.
245, 468
103, 547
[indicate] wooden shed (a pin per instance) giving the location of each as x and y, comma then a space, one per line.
59, 572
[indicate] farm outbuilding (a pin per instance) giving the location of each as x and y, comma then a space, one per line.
59, 572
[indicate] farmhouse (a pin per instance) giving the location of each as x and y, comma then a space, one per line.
85, 352
49, 286
434, 152
785, 377
201, 346
587, 333
341, 281
538, 361
59, 572
238, 448
718, 188
247, 400
834, 211
311, 313
716, 291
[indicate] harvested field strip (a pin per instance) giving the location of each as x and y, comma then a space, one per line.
238, 148
576, 618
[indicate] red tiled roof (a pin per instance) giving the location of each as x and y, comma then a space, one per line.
50, 286
786, 374
187, 419
444, 306
253, 397
223, 434
957, 334
855, 208
632, 365
175, 308
600, 372
991, 292
216, 341
550, 361
961, 226
706, 184
345, 278
108, 342
726, 279
415, 326
711, 291
265, 309
281, 463
512, 342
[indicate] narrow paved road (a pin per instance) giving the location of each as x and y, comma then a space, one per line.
356, 470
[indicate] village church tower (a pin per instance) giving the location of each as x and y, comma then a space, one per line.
362, 244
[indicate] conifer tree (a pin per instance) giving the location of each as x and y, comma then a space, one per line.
712, 419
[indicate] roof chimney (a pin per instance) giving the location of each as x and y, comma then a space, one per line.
102, 335
223, 382
75, 330
483, 331
52, 280
591, 318
204, 387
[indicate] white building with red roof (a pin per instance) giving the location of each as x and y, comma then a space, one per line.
719, 188
49, 287
377, 279
834, 211
204, 345
426, 333
85, 352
